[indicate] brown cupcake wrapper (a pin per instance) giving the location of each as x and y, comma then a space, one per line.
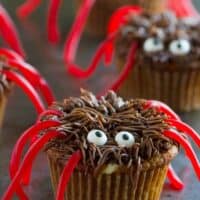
179, 89
147, 184
3, 103
103, 9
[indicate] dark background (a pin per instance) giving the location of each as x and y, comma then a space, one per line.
20, 113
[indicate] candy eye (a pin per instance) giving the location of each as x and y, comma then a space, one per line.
153, 45
180, 47
97, 137
125, 139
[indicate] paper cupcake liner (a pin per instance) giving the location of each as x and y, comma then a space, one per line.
147, 185
103, 9
3, 102
179, 89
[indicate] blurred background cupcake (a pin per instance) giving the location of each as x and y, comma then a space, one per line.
167, 64
103, 9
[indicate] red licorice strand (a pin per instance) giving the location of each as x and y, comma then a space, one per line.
23, 140
129, 65
71, 44
52, 21
27, 8
162, 107
56, 113
174, 135
9, 33
186, 129
34, 77
116, 20
174, 180
67, 173
27, 162
73, 38
27, 88
184, 8
82, 73
10, 54
46, 91
21, 194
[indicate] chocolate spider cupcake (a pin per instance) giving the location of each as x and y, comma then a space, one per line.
124, 153
103, 9
167, 64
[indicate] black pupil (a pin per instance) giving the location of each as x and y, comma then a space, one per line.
98, 134
179, 45
125, 137
156, 41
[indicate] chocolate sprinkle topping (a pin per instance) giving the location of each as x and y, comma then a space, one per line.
163, 27
110, 114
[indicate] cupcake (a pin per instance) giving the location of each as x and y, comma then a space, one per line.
104, 148
124, 152
103, 9
167, 64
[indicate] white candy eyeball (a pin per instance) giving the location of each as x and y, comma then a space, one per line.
125, 139
97, 137
153, 44
180, 47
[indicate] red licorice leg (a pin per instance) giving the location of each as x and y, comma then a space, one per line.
117, 19
182, 127
34, 77
71, 44
50, 112
66, 174
27, 88
7, 26
174, 180
23, 140
52, 21
183, 8
9, 54
81, 73
27, 162
127, 68
174, 135
27, 8
162, 107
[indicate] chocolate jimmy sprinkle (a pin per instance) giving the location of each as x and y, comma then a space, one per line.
109, 116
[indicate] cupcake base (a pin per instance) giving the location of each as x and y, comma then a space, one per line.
178, 89
137, 183
103, 9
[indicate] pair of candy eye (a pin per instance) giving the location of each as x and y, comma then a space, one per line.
177, 47
99, 138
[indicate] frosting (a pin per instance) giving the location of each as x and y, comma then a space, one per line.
109, 132
164, 40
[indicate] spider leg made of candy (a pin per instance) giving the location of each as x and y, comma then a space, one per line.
27, 162
174, 135
183, 8
73, 39
23, 140
7, 26
66, 174
27, 88
34, 77
52, 19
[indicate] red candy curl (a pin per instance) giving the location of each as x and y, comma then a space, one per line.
67, 173
27, 162
9, 33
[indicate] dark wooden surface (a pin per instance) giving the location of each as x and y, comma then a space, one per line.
20, 113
